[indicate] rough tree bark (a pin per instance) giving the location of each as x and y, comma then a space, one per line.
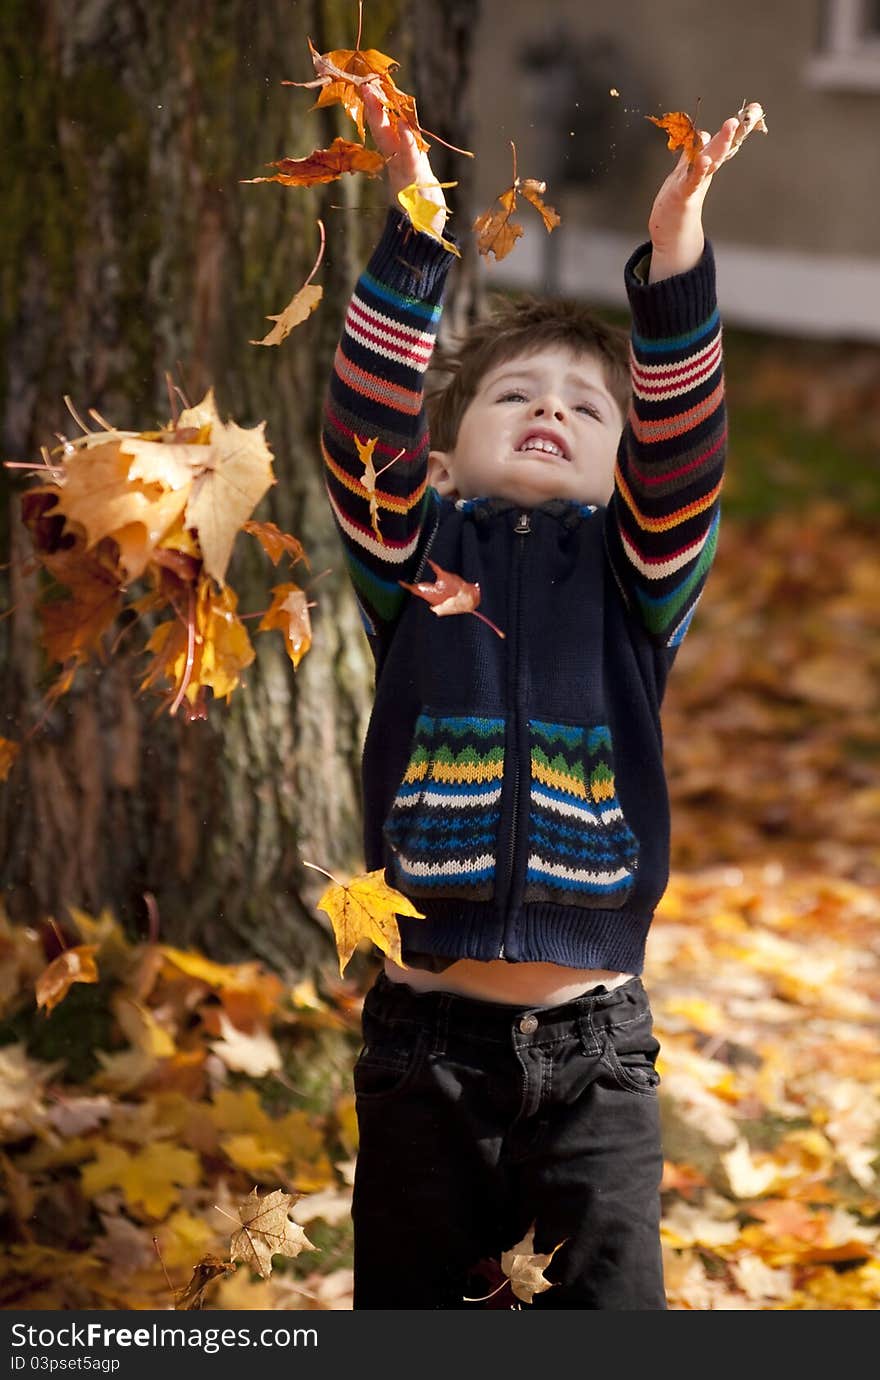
130, 249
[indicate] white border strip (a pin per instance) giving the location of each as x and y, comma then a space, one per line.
822, 295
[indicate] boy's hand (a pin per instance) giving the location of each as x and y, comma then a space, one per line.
675, 223
405, 161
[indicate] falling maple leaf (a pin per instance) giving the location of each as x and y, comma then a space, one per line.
496, 232
366, 908
209, 1268
275, 542
289, 611
267, 1231
255, 1054
681, 130
370, 475
8, 753
324, 165
525, 1269
422, 213
73, 965
450, 594
298, 309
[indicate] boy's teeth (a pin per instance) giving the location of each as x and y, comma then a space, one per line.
549, 446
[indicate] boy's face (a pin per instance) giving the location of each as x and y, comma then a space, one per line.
542, 425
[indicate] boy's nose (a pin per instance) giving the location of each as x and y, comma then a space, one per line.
547, 407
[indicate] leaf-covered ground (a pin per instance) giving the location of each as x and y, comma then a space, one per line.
139, 1113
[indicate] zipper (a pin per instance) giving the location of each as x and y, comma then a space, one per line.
522, 529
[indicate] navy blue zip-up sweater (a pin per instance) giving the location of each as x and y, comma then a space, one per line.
514, 788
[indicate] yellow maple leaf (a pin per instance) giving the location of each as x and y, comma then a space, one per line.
233, 474
267, 1231
150, 1178
422, 212
366, 908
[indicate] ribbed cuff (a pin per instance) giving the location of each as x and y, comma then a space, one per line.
409, 261
674, 306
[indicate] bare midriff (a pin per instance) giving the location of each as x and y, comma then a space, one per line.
521, 984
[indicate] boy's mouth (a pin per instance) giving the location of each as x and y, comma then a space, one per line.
544, 442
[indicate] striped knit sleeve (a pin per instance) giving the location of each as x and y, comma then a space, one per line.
665, 510
376, 392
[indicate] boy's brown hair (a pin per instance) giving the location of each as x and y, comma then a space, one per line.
512, 328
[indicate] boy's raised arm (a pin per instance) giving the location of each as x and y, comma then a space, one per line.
666, 504
376, 390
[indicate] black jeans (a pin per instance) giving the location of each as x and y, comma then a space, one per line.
478, 1119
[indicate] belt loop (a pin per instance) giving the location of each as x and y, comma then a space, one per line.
441, 1025
587, 1032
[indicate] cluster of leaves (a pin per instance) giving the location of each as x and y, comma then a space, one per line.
149, 1124
341, 76
771, 718
137, 523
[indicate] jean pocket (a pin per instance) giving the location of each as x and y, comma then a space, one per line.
388, 1063
582, 852
442, 828
629, 1052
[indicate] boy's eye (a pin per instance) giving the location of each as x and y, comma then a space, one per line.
514, 393
586, 407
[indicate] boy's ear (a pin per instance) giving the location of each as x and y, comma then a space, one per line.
440, 476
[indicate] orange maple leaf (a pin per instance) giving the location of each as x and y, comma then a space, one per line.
73, 965
275, 542
450, 594
496, 232
289, 612
325, 165
343, 72
8, 753
682, 132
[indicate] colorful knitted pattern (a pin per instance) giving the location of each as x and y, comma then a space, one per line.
580, 846
669, 475
443, 824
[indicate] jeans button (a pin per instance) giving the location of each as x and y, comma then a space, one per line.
528, 1024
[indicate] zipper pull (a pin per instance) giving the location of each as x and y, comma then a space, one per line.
524, 525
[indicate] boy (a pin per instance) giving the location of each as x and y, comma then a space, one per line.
514, 786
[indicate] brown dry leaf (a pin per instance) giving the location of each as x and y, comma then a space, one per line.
450, 594
368, 479
496, 232
275, 542
324, 165
366, 908
298, 309
267, 1231
8, 753
681, 130
209, 1268
289, 611
73, 965
525, 1269
751, 118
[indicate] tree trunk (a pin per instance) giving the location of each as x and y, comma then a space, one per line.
131, 250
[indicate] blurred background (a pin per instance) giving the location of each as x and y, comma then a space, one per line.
131, 248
